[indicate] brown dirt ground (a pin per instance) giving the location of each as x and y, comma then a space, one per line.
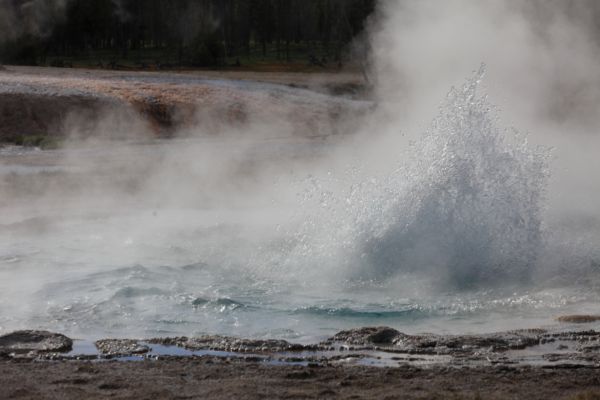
199, 378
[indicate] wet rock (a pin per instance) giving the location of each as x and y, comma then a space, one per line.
367, 335
120, 347
578, 319
232, 344
389, 339
383, 335
578, 336
34, 341
490, 342
424, 344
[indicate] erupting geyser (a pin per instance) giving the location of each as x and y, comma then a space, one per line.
463, 210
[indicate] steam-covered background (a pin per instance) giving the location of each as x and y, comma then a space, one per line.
412, 202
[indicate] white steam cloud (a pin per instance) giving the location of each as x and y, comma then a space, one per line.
542, 55
542, 62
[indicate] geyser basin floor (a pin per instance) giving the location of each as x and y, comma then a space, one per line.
372, 346
560, 364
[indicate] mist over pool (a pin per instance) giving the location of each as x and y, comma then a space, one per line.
452, 198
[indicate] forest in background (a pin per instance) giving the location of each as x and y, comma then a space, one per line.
163, 34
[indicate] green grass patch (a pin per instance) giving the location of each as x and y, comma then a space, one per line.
42, 141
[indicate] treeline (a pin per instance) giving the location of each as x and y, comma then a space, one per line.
197, 33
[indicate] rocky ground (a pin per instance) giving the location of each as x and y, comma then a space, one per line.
371, 362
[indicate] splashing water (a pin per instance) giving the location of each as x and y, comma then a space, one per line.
464, 212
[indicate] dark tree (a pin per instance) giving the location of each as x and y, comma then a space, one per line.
200, 33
